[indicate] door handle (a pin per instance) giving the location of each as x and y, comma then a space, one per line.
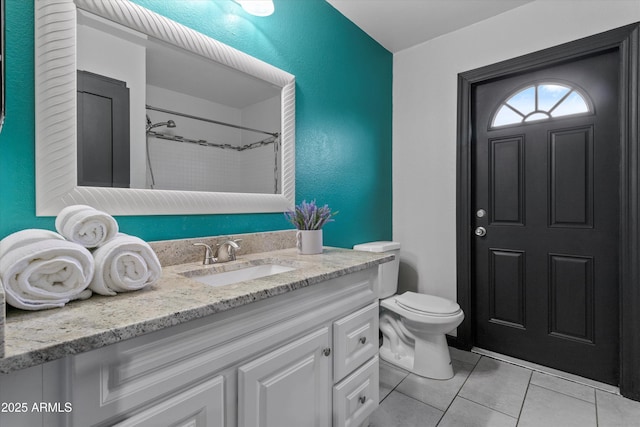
480, 231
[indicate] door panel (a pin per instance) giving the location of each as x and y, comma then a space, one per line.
506, 173
545, 276
571, 297
571, 177
507, 287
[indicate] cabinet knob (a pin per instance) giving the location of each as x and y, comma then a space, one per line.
362, 399
363, 340
326, 351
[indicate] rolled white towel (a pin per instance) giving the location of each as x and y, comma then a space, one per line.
86, 226
124, 263
40, 269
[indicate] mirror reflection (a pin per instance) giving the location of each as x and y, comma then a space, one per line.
152, 116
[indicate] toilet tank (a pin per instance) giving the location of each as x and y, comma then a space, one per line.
388, 271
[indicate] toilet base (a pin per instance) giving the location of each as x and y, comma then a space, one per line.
432, 357
431, 360
404, 362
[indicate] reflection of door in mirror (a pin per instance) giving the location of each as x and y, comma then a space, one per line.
103, 131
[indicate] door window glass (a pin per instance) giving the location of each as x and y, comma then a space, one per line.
540, 101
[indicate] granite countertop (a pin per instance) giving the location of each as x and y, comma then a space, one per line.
33, 338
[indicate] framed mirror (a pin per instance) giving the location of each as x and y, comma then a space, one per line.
176, 127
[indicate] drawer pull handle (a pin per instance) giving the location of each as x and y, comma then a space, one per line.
362, 399
326, 351
363, 340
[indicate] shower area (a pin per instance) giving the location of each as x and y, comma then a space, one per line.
189, 152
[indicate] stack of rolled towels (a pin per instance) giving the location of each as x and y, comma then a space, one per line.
41, 269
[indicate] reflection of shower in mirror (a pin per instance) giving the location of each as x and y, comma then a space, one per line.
169, 124
214, 155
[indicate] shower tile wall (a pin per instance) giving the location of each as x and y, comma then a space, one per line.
185, 166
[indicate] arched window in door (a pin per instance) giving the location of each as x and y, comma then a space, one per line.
541, 101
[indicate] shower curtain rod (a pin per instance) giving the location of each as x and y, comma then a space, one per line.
162, 110
206, 143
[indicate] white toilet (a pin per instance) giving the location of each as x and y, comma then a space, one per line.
413, 325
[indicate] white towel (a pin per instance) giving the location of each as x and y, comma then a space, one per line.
40, 269
86, 226
124, 263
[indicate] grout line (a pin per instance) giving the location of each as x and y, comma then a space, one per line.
481, 404
595, 396
458, 392
526, 392
568, 395
396, 386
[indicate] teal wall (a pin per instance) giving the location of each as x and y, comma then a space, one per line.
343, 118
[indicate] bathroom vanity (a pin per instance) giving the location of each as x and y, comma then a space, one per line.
293, 348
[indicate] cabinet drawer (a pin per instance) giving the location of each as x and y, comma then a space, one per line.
356, 397
199, 406
355, 340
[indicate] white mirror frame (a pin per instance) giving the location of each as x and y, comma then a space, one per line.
55, 115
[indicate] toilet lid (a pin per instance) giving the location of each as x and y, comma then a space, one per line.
429, 304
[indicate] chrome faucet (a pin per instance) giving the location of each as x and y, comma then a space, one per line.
208, 254
224, 252
227, 250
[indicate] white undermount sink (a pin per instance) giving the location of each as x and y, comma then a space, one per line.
246, 273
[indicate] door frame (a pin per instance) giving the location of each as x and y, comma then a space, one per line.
626, 40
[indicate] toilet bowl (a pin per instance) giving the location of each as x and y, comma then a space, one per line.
413, 325
413, 328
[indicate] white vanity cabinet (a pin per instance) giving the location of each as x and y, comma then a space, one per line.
288, 386
198, 406
304, 358
294, 384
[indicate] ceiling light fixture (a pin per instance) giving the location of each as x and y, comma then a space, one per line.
257, 7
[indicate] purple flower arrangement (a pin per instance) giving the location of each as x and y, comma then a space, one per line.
309, 216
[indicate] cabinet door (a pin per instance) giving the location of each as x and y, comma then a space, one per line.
290, 386
199, 406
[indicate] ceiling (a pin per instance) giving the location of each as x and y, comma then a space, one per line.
400, 24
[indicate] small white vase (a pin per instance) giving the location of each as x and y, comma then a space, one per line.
309, 242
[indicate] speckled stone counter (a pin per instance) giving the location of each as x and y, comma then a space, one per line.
32, 338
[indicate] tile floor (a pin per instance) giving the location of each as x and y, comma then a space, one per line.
493, 393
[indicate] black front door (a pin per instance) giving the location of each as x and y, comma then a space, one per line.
545, 194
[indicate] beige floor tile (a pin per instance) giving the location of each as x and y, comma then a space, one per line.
616, 411
398, 410
390, 377
464, 413
497, 385
544, 408
437, 393
560, 385
464, 356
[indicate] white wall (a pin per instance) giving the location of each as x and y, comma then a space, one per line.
424, 123
104, 54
